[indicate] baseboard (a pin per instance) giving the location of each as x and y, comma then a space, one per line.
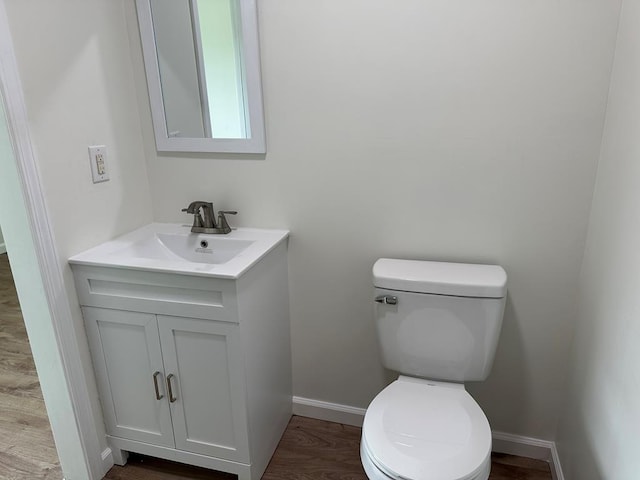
556, 466
522, 446
331, 412
502, 442
3, 248
107, 460
530, 448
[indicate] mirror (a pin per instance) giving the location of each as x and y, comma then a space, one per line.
202, 62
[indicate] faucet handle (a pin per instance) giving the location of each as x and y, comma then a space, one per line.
194, 208
222, 220
197, 220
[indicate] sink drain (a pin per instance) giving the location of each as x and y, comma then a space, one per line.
204, 243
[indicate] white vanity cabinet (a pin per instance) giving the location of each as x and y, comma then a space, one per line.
169, 381
195, 369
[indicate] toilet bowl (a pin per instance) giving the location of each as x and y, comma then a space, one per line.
422, 430
440, 321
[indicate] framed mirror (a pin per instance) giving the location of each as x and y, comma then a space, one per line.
202, 62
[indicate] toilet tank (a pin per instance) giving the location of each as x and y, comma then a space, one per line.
446, 319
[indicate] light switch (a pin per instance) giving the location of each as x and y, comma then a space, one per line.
98, 160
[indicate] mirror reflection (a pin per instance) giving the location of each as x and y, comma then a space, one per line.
198, 47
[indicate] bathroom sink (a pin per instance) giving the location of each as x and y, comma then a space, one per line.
196, 248
173, 248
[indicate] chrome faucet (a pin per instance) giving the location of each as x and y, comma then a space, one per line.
208, 223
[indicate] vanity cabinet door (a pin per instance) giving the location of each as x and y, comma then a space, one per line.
208, 400
128, 363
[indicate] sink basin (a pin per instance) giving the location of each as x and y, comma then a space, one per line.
196, 248
173, 248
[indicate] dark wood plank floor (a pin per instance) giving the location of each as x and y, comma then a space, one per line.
313, 450
309, 450
27, 450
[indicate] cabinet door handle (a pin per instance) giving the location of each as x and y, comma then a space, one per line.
159, 396
171, 397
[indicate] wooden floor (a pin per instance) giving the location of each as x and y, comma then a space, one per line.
309, 450
26, 444
313, 450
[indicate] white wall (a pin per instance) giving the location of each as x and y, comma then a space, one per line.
598, 433
2, 246
77, 76
457, 130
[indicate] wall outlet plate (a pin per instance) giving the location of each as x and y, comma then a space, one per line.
98, 160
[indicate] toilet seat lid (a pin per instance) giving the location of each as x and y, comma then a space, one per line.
421, 430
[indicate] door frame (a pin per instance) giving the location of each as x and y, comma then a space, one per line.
68, 406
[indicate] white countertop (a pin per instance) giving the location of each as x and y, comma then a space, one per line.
146, 249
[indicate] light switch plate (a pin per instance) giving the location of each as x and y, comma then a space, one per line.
98, 160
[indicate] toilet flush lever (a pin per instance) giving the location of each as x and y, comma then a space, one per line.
387, 299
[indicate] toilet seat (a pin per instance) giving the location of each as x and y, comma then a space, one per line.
422, 430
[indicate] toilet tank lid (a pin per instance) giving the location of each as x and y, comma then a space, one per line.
442, 278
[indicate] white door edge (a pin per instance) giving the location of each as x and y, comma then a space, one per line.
77, 443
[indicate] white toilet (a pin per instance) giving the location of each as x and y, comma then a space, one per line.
438, 325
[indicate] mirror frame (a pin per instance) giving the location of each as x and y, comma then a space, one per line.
250, 55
